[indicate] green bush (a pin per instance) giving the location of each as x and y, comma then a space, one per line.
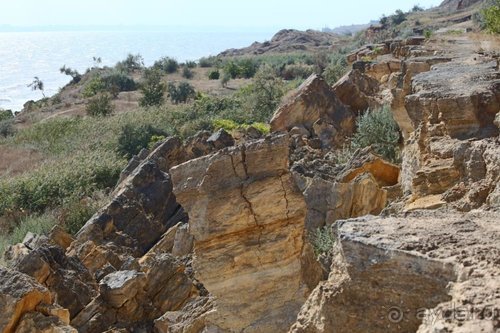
336, 69
119, 81
7, 128
167, 65
55, 181
207, 62
296, 71
6, 115
190, 64
180, 93
134, 138
226, 124
323, 241
398, 17
152, 89
37, 224
427, 34
75, 213
100, 106
133, 62
214, 75
187, 73
491, 16
378, 130
93, 87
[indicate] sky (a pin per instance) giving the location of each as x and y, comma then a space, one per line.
226, 14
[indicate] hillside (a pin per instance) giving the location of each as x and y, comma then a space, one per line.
329, 190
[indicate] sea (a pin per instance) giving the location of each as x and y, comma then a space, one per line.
24, 55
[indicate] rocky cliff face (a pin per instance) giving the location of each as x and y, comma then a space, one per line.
214, 235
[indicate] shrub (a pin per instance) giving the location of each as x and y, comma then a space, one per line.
187, 73
133, 62
323, 241
247, 68
398, 17
226, 124
120, 81
100, 106
335, 70
167, 65
154, 140
378, 130
427, 34
384, 20
37, 224
93, 87
417, 8
152, 89
181, 93
225, 79
232, 69
296, 71
263, 96
214, 75
191, 64
491, 17
206, 62
75, 213
7, 128
5, 115
134, 138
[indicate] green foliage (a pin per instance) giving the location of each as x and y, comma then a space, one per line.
75, 76
296, 71
336, 69
225, 79
134, 138
262, 97
180, 93
207, 62
152, 89
378, 130
398, 17
214, 75
154, 140
384, 20
75, 213
167, 65
187, 73
53, 182
37, 224
93, 87
118, 81
323, 241
190, 64
427, 34
6, 115
227, 124
100, 106
417, 8
491, 16
133, 62
7, 128
241, 68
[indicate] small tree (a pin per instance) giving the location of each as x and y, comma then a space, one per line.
133, 138
384, 20
37, 84
100, 106
167, 65
75, 76
417, 8
152, 89
187, 73
181, 93
398, 17
133, 62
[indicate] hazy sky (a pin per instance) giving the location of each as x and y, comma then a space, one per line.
263, 14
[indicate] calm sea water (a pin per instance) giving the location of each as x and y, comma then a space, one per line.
24, 55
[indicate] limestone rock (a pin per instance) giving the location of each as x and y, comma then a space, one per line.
35, 322
358, 91
247, 219
312, 101
19, 294
393, 275
221, 139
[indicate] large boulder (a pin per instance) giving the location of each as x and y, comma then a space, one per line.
247, 219
314, 100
